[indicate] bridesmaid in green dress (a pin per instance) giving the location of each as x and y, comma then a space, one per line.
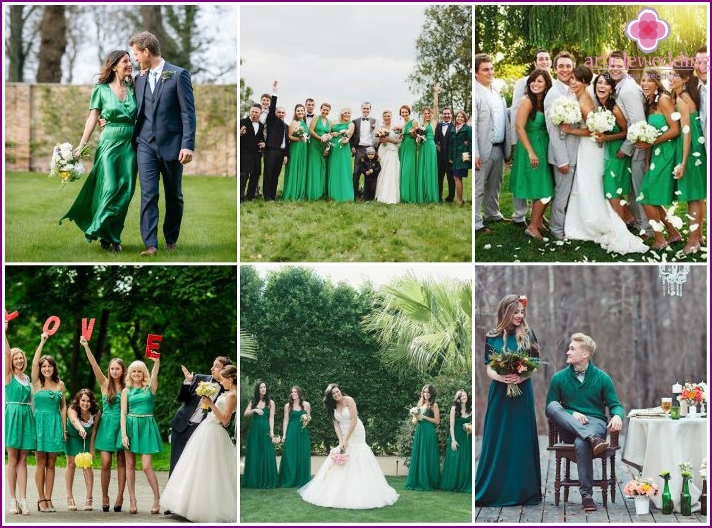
658, 185
295, 468
320, 132
457, 468
407, 153
20, 431
509, 472
531, 177
424, 469
139, 431
101, 206
295, 180
427, 168
50, 420
340, 185
82, 421
260, 459
691, 156
109, 430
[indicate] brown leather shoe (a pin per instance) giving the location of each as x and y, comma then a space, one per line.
170, 247
483, 231
598, 445
588, 504
151, 251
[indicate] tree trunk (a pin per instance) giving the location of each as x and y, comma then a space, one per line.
17, 48
53, 35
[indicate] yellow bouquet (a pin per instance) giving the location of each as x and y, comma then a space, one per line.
208, 389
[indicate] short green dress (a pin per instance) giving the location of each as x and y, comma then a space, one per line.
658, 184
693, 186
427, 169
295, 468
527, 182
457, 468
20, 430
316, 162
295, 179
102, 203
616, 172
340, 184
141, 427
109, 431
75, 444
260, 459
424, 469
407, 153
50, 432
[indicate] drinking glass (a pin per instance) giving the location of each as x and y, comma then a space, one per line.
666, 405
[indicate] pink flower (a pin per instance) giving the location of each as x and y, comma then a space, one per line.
647, 31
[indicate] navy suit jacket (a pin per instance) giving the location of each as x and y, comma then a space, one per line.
190, 401
174, 111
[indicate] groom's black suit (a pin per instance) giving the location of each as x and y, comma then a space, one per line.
181, 426
444, 166
274, 152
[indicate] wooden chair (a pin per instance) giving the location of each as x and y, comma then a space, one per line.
567, 454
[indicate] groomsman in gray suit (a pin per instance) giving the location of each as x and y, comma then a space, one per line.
492, 144
562, 152
364, 129
701, 68
629, 98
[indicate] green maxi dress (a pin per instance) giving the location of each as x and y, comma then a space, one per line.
295, 468
295, 180
316, 162
141, 427
616, 172
693, 186
509, 471
527, 182
20, 430
340, 185
102, 203
109, 431
427, 171
50, 432
457, 468
75, 444
658, 184
407, 152
260, 460
424, 469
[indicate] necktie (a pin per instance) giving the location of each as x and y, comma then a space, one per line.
152, 80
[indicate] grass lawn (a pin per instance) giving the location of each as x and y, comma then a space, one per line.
326, 231
34, 204
284, 505
508, 243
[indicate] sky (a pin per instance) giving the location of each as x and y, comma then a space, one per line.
341, 54
356, 274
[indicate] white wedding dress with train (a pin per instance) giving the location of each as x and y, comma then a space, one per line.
388, 183
203, 485
589, 216
358, 484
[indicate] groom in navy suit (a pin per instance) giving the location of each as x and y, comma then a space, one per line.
164, 136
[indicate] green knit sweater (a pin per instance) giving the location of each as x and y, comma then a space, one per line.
590, 397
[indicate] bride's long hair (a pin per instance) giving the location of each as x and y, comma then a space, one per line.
505, 316
329, 403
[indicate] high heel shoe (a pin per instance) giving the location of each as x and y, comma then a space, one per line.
133, 508
118, 504
88, 504
156, 509
51, 506
40, 509
71, 506
22, 507
689, 249
13, 507
105, 503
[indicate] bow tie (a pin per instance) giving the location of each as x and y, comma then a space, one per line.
310, 115
580, 371
364, 119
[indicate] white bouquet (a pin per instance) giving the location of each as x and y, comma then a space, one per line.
600, 121
207, 389
301, 134
565, 111
65, 165
642, 132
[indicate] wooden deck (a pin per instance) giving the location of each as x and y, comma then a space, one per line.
620, 512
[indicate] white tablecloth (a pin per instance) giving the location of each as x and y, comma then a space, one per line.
654, 445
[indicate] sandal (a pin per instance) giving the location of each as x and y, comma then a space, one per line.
22, 506
133, 507
71, 506
88, 504
13, 507
39, 508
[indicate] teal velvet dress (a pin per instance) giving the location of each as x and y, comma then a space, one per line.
295, 468
141, 427
260, 459
295, 180
109, 431
102, 203
508, 471
20, 430
424, 469
50, 431
407, 153
457, 468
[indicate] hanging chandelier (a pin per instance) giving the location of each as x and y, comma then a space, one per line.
673, 277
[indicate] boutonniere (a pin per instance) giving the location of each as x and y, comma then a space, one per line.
166, 75
142, 73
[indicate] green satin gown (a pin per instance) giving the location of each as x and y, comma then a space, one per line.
457, 468
427, 170
102, 203
295, 468
295, 179
260, 459
407, 153
424, 469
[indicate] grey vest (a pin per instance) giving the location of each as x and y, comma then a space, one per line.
146, 134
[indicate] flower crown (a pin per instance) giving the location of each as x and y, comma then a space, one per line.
523, 300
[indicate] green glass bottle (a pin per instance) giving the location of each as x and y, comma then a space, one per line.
685, 498
667, 499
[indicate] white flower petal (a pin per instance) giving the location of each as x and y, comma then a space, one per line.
657, 151
701, 139
487, 246
546, 200
694, 227
640, 197
696, 154
652, 166
619, 190
665, 128
675, 116
686, 129
678, 192
698, 163
609, 196
657, 226
623, 202
613, 174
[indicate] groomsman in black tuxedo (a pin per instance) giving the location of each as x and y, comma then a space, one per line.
442, 144
275, 153
309, 105
364, 128
264, 101
251, 145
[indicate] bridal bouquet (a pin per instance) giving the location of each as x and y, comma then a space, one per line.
344, 135
305, 418
207, 388
414, 412
383, 133
467, 426
642, 132
513, 363
600, 121
338, 456
65, 165
398, 129
565, 111
301, 134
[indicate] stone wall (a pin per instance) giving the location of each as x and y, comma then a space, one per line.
38, 116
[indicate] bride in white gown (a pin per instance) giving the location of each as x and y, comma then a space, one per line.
589, 216
388, 184
359, 483
203, 485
